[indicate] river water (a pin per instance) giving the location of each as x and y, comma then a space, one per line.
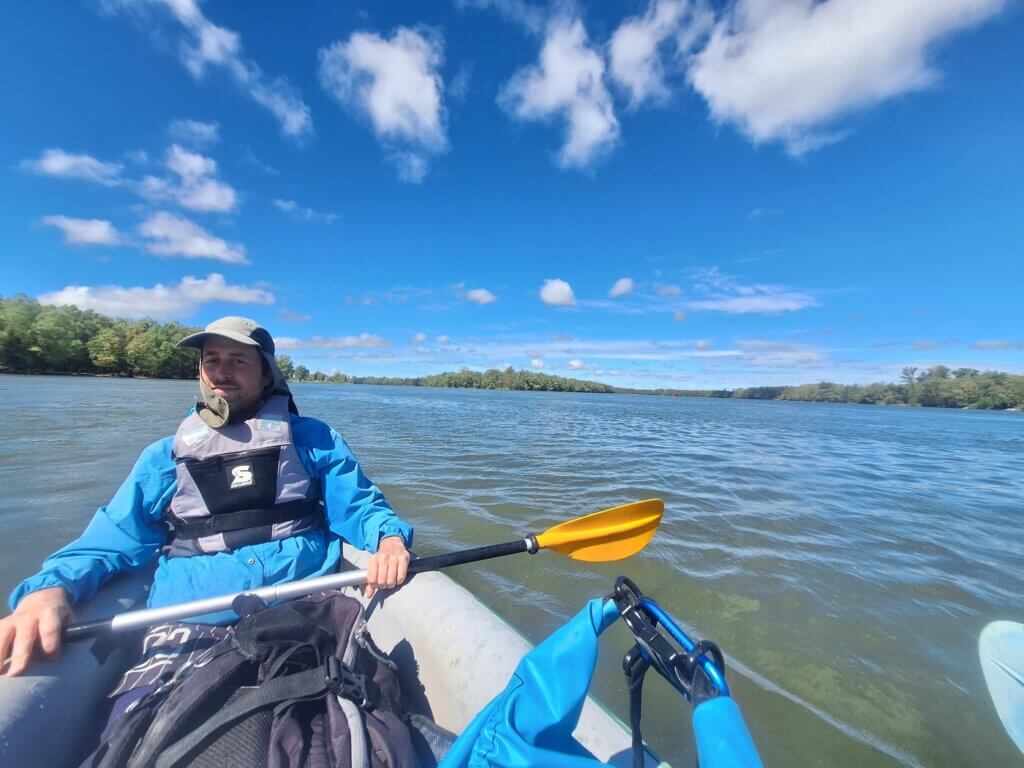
845, 557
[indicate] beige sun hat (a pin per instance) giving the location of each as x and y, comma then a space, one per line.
240, 329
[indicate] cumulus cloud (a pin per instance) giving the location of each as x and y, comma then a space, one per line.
84, 231
443, 339
786, 70
537, 362
161, 301
557, 293
419, 338
567, 84
196, 186
637, 47
301, 213
726, 294
622, 287
170, 235
194, 133
394, 82
60, 164
527, 15
575, 364
204, 45
361, 341
480, 296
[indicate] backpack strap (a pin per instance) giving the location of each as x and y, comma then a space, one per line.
332, 676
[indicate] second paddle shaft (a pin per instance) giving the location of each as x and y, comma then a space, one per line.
152, 616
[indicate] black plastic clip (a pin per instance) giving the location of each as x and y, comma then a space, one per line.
347, 684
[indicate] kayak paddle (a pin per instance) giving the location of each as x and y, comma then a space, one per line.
1001, 650
611, 534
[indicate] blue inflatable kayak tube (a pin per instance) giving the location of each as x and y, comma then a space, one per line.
723, 740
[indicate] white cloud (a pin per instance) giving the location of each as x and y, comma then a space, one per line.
194, 133
557, 293
419, 338
679, 316
66, 165
362, 341
786, 70
773, 354
480, 296
725, 294
301, 213
205, 45
703, 345
669, 291
537, 362
529, 16
443, 339
622, 287
84, 231
568, 83
397, 85
170, 235
635, 51
196, 187
575, 364
160, 301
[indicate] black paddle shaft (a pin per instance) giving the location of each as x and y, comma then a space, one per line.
422, 564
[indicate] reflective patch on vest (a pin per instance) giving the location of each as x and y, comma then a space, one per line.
242, 476
194, 435
269, 424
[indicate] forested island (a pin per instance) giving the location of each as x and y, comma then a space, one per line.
36, 338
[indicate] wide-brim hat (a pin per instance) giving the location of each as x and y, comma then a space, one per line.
239, 329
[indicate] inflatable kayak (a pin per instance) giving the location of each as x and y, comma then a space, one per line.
454, 655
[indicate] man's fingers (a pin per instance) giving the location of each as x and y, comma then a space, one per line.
24, 642
7, 629
403, 569
392, 578
371, 578
50, 624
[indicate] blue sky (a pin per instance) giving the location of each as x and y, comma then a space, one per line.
669, 193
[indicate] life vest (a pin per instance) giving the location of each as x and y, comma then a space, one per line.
240, 484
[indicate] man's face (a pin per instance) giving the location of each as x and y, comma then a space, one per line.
233, 371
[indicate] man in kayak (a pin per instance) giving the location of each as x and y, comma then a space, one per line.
247, 493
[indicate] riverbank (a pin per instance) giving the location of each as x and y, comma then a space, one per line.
939, 387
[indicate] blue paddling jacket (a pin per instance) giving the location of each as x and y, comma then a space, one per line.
126, 533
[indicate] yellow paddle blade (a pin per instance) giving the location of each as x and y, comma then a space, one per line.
612, 534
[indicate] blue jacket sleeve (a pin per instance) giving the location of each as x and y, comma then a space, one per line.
356, 509
122, 536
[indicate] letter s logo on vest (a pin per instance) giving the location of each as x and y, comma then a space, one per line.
241, 477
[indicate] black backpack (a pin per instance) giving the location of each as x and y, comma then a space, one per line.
299, 685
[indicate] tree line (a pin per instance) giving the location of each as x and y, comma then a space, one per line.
36, 338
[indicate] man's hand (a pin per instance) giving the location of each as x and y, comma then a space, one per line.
39, 617
389, 567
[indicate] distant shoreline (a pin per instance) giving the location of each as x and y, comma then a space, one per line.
748, 393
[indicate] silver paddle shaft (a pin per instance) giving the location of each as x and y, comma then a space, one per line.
152, 616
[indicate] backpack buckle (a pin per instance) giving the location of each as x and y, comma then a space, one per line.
345, 683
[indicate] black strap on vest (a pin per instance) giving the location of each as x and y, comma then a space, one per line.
225, 522
332, 676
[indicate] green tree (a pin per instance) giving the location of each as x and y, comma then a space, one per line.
286, 366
